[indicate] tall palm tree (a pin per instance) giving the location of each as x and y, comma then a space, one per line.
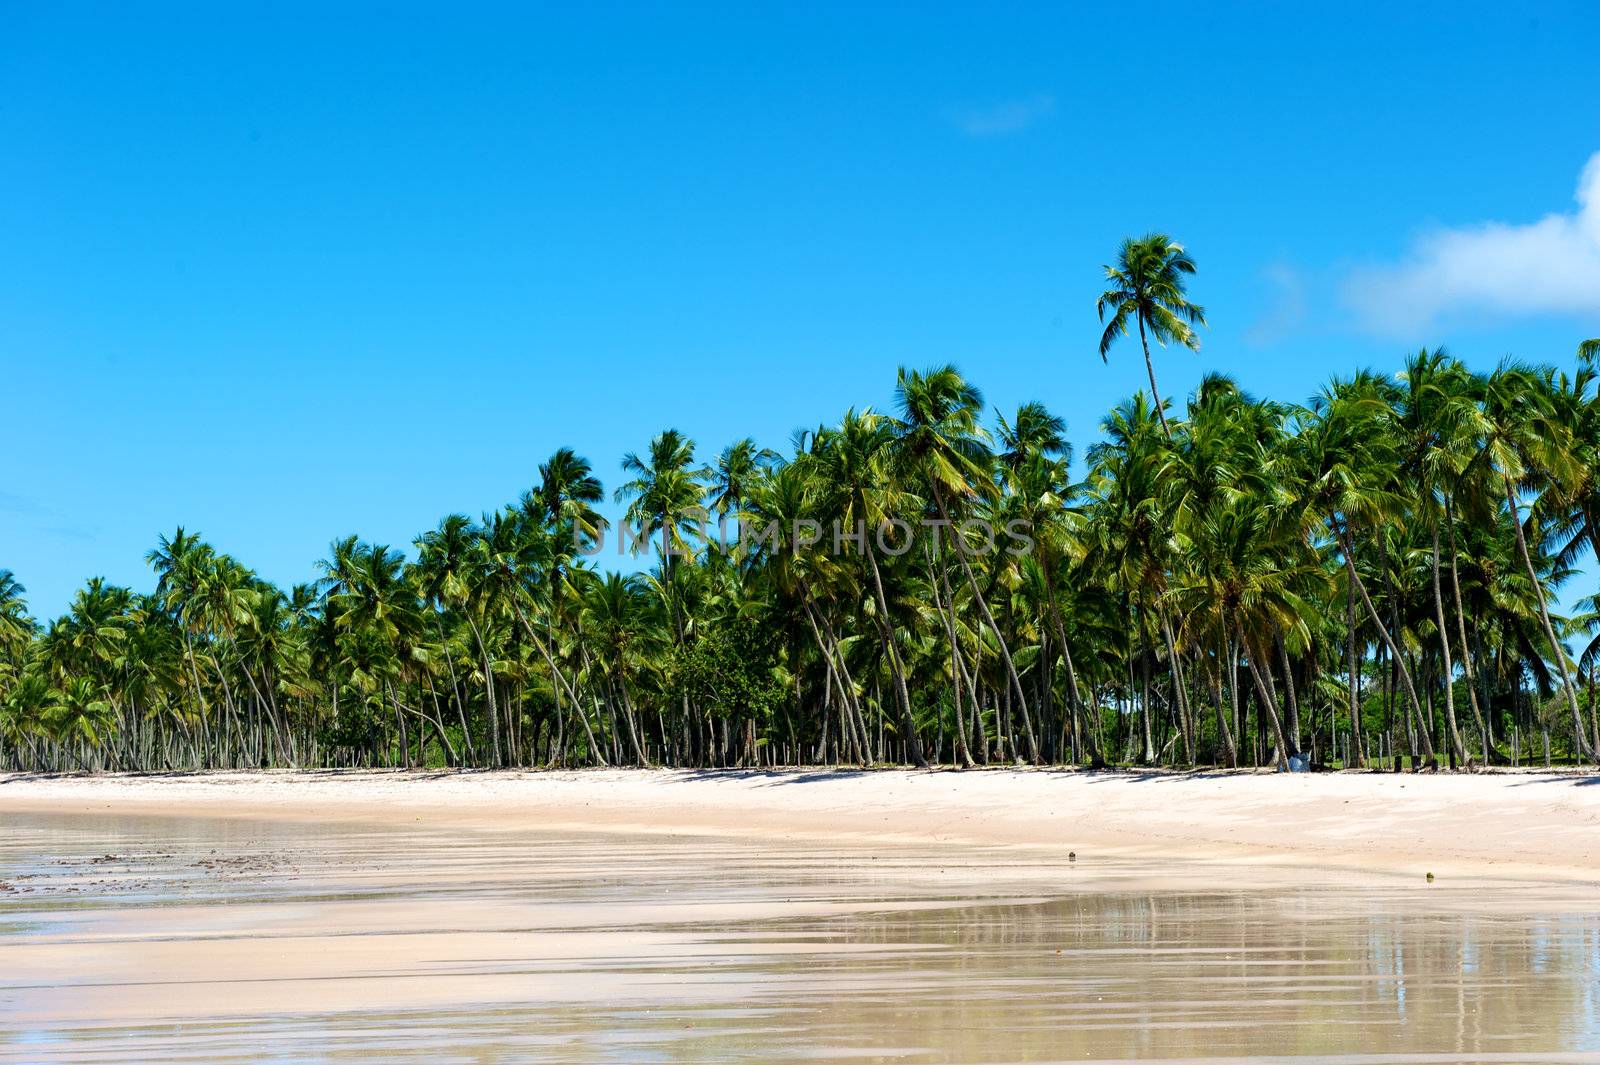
1530, 449
1147, 285
854, 484
1346, 565
663, 495
1131, 529
446, 574
664, 500
1437, 423
940, 443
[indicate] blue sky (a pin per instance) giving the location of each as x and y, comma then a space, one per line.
281, 276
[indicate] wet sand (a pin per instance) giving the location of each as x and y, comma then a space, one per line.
650, 917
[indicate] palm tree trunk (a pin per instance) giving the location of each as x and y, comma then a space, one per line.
1460, 749
1468, 667
1356, 755
1230, 751
1579, 738
1144, 693
902, 696
1594, 712
1348, 544
630, 716
1291, 720
1415, 709
1150, 368
1179, 686
1073, 695
853, 700
944, 603
848, 726
1264, 693
488, 688
988, 619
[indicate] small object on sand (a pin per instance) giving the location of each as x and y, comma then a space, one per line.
1072, 856
1430, 878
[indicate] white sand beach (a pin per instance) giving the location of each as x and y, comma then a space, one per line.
1507, 825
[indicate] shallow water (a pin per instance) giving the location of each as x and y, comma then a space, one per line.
151, 939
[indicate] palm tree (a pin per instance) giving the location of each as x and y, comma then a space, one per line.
851, 466
940, 443
82, 717
663, 495
620, 615
1032, 431
179, 563
664, 499
1364, 555
1131, 529
1437, 423
16, 628
26, 710
738, 468
1347, 465
448, 570
1529, 449
1148, 286
565, 498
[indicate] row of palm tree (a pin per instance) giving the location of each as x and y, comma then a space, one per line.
1371, 577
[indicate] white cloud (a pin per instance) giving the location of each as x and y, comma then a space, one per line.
997, 120
1497, 268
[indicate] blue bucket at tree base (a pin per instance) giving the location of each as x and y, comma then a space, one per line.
1298, 763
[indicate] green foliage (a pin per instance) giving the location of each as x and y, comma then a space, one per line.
1244, 579
731, 671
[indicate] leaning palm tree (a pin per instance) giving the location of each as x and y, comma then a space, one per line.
1147, 285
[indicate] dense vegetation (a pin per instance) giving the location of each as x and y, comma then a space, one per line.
1371, 575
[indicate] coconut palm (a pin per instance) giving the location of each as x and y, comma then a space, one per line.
1250, 581
1148, 286
738, 468
16, 628
565, 498
940, 443
852, 471
1438, 423
1530, 451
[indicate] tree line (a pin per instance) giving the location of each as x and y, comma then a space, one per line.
1369, 577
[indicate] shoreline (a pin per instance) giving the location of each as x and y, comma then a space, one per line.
1529, 825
